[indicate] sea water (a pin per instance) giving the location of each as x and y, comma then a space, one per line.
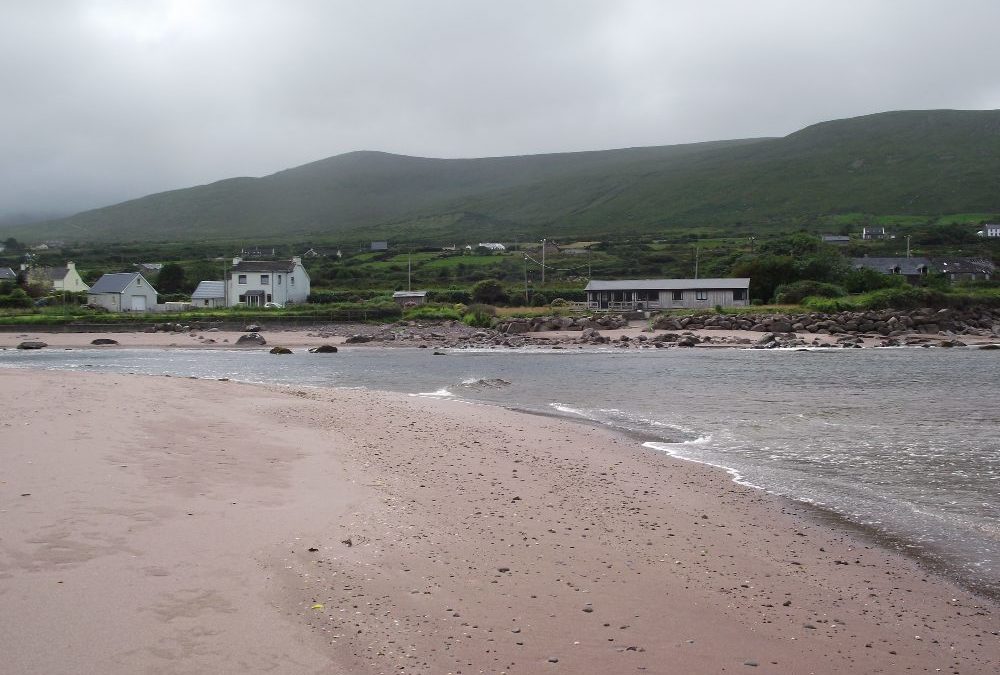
902, 442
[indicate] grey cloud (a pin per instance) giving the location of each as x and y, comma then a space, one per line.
108, 100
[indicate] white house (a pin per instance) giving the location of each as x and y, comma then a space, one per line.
256, 282
638, 294
209, 294
58, 278
493, 246
123, 292
990, 230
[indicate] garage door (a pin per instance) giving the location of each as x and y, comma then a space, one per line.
138, 303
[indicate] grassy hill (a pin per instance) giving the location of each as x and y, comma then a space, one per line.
913, 163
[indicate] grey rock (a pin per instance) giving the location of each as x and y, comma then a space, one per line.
32, 344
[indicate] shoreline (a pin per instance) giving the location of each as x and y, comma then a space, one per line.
636, 336
441, 498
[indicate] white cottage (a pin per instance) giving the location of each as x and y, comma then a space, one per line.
639, 294
257, 282
59, 279
123, 292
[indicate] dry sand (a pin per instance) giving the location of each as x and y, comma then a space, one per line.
166, 525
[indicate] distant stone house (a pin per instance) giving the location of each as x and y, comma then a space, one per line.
869, 233
7, 274
990, 231
493, 246
836, 239
379, 246
209, 294
123, 292
912, 268
257, 282
642, 294
58, 279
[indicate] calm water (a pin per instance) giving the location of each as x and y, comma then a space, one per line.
905, 442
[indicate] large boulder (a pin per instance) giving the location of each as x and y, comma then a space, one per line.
324, 349
32, 344
103, 341
358, 339
251, 339
280, 350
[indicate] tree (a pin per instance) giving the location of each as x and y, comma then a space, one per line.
170, 279
489, 292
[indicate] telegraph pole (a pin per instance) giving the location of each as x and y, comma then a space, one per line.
526, 301
543, 262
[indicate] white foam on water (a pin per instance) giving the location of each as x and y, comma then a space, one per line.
440, 393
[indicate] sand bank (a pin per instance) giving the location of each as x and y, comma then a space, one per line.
189, 526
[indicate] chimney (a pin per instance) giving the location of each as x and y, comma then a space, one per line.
236, 261
70, 265
296, 260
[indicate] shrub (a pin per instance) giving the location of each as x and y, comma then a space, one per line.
450, 296
480, 316
908, 297
797, 291
827, 305
539, 300
16, 298
489, 291
559, 302
432, 312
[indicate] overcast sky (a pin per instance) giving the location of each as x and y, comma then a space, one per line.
102, 101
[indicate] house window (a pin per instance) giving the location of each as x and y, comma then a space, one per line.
206, 302
701, 295
279, 279
268, 298
739, 294
678, 296
265, 279
291, 281
242, 279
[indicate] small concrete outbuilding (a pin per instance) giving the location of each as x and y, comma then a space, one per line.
209, 294
123, 292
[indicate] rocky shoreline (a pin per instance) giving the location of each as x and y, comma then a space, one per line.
888, 328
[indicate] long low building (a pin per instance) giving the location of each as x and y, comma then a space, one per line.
641, 294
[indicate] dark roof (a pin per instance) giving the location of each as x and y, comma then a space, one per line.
907, 266
115, 283
951, 265
264, 266
253, 294
7, 274
665, 284
50, 273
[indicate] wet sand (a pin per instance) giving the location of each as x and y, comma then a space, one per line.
167, 525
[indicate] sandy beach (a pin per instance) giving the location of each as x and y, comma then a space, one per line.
171, 525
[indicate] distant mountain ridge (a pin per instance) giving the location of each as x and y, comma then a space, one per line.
910, 162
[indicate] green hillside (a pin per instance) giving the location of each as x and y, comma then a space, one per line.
917, 163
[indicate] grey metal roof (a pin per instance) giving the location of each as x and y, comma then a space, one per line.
665, 284
409, 294
7, 274
907, 266
115, 283
208, 290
